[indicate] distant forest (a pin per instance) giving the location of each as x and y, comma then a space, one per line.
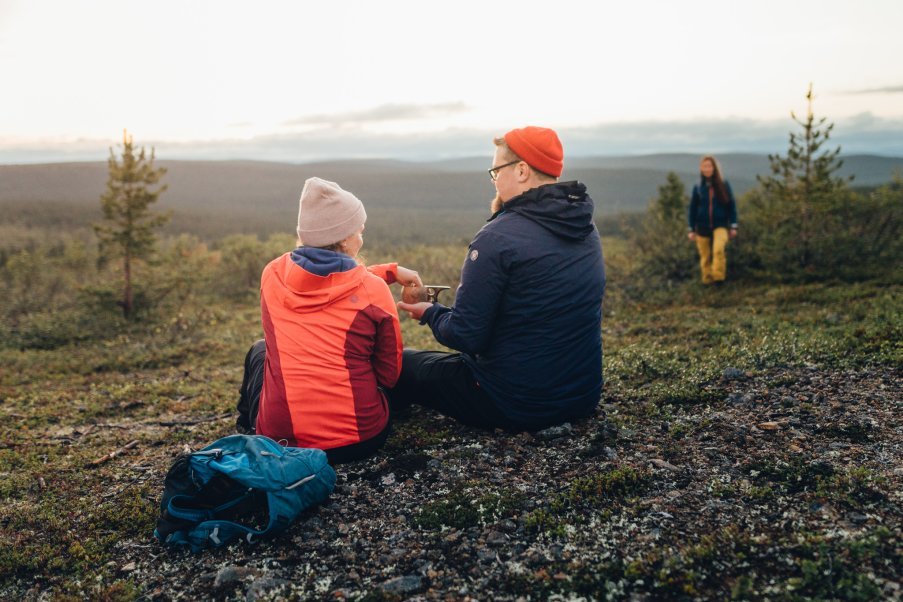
407, 202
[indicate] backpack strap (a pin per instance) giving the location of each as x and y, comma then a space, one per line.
216, 533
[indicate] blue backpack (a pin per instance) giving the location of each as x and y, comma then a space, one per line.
239, 487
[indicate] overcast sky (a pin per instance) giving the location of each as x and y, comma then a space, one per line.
299, 81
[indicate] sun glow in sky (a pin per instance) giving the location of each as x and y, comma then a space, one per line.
192, 75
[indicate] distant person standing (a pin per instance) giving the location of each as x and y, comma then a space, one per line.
712, 219
526, 320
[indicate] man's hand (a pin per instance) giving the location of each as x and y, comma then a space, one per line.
415, 310
691, 236
407, 277
733, 233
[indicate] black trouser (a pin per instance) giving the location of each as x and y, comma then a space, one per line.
249, 401
251, 384
443, 382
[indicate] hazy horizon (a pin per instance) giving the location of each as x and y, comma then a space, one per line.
300, 82
864, 134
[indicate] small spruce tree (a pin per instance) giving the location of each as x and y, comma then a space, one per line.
672, 201
801, 188
127, 232
660, 241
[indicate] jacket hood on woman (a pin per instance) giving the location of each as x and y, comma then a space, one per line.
324, 278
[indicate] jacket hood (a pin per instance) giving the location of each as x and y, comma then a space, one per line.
309, 279
563, 208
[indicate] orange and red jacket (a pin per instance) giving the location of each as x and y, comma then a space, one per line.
332, 338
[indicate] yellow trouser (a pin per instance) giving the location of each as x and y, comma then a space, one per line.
712, 260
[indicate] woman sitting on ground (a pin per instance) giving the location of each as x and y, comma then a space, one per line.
332, 341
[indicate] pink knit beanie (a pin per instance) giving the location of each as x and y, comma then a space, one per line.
328, 214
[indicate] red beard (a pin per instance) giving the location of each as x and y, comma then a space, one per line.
496, 204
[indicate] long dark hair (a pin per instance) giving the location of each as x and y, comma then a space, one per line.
717, 180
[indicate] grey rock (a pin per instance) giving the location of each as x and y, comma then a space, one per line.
231, 574
262, 588
496, 539
738, 399
555, 432
731, 373
485, 555
534, 558
406, 584
822, 466
659, 463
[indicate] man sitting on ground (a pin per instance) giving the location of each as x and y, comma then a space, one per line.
526, 320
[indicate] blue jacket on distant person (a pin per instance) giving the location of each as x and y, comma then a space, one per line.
528, 312
709, 211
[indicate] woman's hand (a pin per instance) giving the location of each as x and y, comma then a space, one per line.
415, 310
691, 235
407, 277
733, 233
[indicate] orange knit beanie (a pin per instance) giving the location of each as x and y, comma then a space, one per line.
539, 147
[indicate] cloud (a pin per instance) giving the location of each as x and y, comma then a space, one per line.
385, 112
861, 133
882, 90
856, 134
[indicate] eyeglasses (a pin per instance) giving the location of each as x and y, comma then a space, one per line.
494, 172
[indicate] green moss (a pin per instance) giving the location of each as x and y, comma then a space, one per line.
414, 434
833, 569
586, 494
545, 521
856, 432
467, 506
595, 489
792, 476
86, 530
759, 493
855, 488
677, 431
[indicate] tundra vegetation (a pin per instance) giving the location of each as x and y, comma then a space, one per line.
747, 445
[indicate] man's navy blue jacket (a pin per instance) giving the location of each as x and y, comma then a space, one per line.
528, 313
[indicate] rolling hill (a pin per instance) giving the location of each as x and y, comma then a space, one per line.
446, 199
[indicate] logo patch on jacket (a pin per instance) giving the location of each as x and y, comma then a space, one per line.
474, 254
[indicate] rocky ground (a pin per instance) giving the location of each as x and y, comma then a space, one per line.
784, 485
